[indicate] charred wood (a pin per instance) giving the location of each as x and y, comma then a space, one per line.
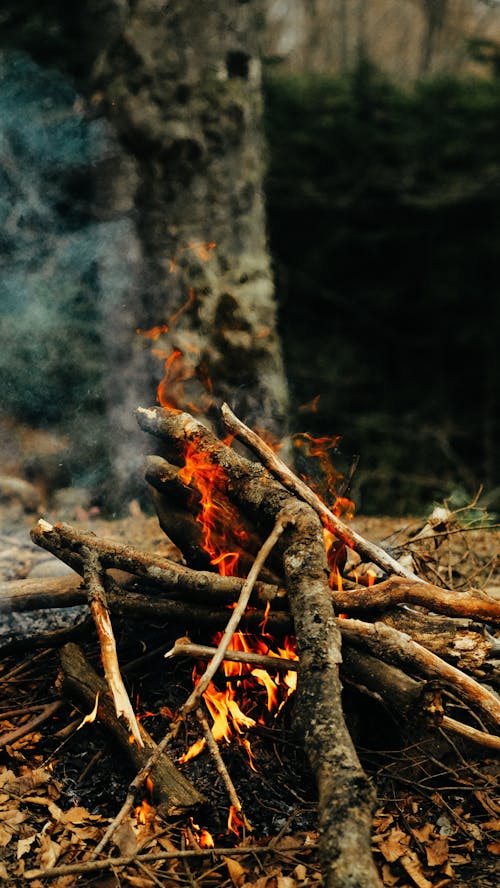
81, 684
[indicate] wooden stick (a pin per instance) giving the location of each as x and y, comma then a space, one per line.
186, 648
221, 768
16, 733
81, 684
289, 480
283, 520
92, 866
400, 693
396, 590
104, 628
64, 539
392, 645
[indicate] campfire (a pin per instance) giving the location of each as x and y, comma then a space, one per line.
267, 571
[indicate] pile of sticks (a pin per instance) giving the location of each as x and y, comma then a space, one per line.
396, 640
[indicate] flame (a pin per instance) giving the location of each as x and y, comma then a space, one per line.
319, 448
235, 821
217, 513
201, 836
144, 813
154, 333
91, 717
201, 249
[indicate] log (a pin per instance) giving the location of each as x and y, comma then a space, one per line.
346, 797
81, 684
66, 541
399, 590
20, 596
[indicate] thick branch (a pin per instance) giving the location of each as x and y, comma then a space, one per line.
399, 590
63, 540
398, 647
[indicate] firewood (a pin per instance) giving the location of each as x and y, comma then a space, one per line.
178, 506
398, 647
399, 590
81, 684
92, 575
66, 541
335, 525
346, 798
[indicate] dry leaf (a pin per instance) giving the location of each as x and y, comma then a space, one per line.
24, 845
236, 871
125, 839
437, 851
413, 867
3, 872
138, 881
395, 845
423, 833
285, 882
388, 876
494, 847
300, 872
49, 852
493, 824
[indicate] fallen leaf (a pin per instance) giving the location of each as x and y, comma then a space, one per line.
139, 881
437, 851
413, 867
300, 872
49, 852
236, 871
494, 847
395, 845
285, 882
24, 845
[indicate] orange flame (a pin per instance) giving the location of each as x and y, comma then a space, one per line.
144, 813
216, 513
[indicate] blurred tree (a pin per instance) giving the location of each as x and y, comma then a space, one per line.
179, 85
406, 39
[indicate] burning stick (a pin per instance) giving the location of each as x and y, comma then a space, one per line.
289, 480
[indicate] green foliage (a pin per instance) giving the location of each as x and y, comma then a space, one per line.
385, 225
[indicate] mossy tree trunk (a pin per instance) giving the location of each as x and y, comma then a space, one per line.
180, 83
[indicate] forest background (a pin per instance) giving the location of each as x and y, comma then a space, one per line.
382, 122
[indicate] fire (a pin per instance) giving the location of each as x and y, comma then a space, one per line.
319, 448
216, 513
144, 813
91, 717
235, 821
199, 835
226, 706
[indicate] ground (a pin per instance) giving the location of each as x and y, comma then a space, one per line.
59, 786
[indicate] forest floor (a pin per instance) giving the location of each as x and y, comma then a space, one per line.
61, 783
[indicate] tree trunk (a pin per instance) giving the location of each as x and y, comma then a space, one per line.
181, 86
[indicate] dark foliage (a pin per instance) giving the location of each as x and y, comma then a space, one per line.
384, 225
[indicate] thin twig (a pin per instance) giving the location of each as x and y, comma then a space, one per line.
138, 781
289, 480
112, 862
29, 726
219, 764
